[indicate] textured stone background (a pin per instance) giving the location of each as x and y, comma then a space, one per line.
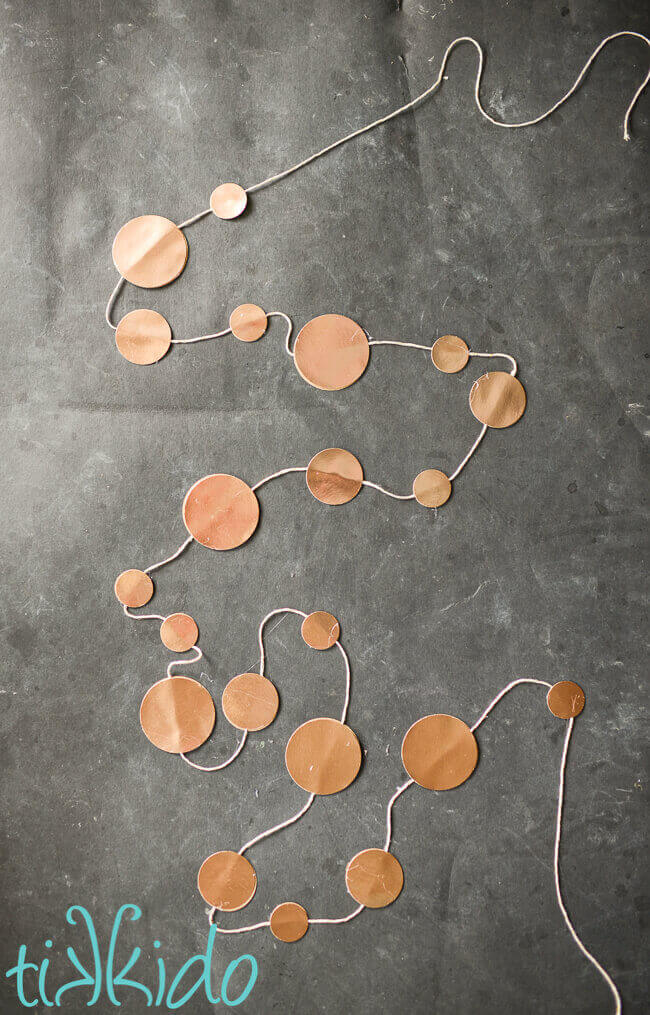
527, 241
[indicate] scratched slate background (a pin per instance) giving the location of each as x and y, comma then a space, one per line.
524, 241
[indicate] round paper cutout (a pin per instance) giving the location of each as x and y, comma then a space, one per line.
374, 878
227, 881
221, 511
432, 488
228, 200
334, 476
450, 354
248, 322
150, 251
497, 399
439, 752
179, 632
331, 352
565, 699
250, 702
289, 922
133, 588
323, 756
143, 337
177, 714
320, 630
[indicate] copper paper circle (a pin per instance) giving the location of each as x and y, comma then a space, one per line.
320, 630
450, 354
250, 702
228, 200
150, 251
179, 632
565, 699
289, 922
432, 488
497, 399
374, 878
439, 752
334, 476
177, 714
323, 756
331, 352
227, 881
143, 337
248, 322
133, 588
221, 511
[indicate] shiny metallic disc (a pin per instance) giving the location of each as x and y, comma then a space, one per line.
374, 878
250, 702
450, 354
334, 476
179, 632
289, 922
133, 588
221, 511
439, 752
143, 337
228, 200
320, 630
227, 881
432, 488
177, 714
323, 756
248, 322
331, 352
150, 251
565, 699
498, 399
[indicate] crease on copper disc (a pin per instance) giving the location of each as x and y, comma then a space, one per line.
143, 337
334, 476
374, 877
432, 488
228, 200
177, 714
497, 399
323, 756
320, 630
221, 511
331, 352
133, 588
566, 699
439, 752
250, 702
227, 881
289, 922
248, 322
179, 632
450, 354
150, 251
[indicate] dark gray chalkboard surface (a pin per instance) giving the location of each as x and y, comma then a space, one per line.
529, 241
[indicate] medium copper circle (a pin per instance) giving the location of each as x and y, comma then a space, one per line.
497, 399
177, 714
248, 322
450, 354
432, 488
150, 251
228, 200
179, 632
331, 352
289, 922
250, 702
143, 337
334, 476
374, 878
323, 756
439, 752
565, 699
320, 630
227, 881
133, 588
221, 511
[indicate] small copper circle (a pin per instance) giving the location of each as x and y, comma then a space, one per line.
334, 476
331, 352
228, 200
133, 588
497, 399
177, 714
250, 702
432, 488
320, 630
143, 337
565, 699
179, 632
450, 354
374, 878
221, 511
150, 251
248, 322
289, 922
323, 756
227, 881
439, 752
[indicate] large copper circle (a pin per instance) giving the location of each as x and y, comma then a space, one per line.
248, 322
439, 752
177, 714
227, 881
289, 922
497, 399
565, 699
334, 476
228, 200
250, 702
150, 251
432, 488
143, 337
331, 352
221, 511
323, 756
133, 588
320, 630
179, 632
374, 878
450, 354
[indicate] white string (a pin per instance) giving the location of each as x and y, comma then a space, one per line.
185, 662
278, 828
556, 872
111, 303
340, 919
264, 622
278, 313
142, 616
395, 496
224, 764
389, 810
346, 663
274, 475
500, 695
477, 99
168, 560
407, 345
195, 218
236, 930
469, 454
200, 338
499, 355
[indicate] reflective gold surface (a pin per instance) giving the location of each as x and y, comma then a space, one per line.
143, 337
565, 699
227, 881
221, 511
179, 632
177, 714
432, 488
498, 399
439, 752
250, 702
374, 878
289, 922
334, 476
450, 354
331, 352
150, 251
323, 756
133, 588
320, 630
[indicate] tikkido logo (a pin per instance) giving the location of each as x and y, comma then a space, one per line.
103, 979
